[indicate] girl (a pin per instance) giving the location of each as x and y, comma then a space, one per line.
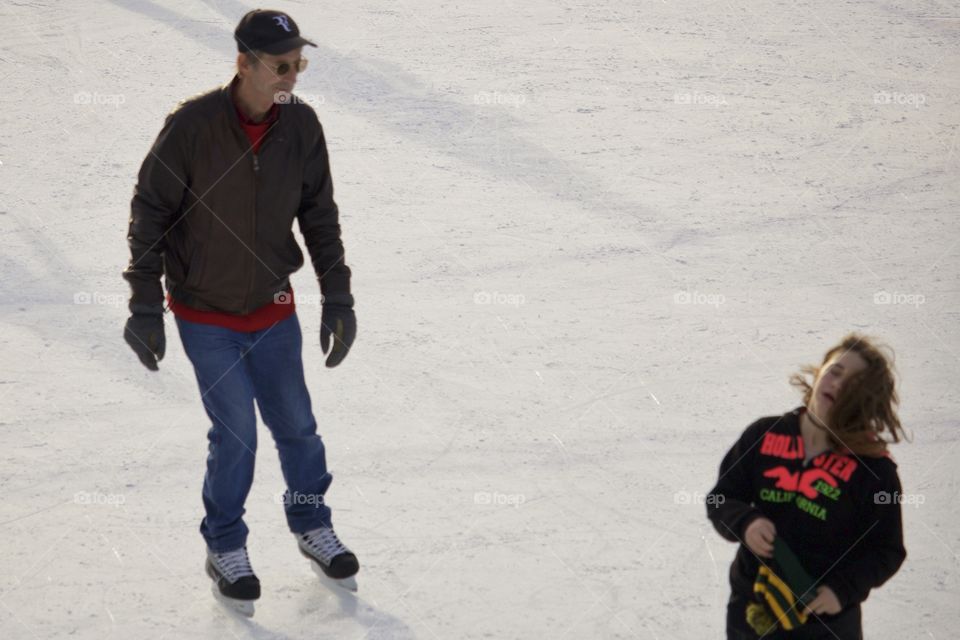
813, 498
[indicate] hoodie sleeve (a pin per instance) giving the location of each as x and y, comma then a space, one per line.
879, 551
730, 503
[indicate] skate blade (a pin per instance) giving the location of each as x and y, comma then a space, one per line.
346, 584
242, 607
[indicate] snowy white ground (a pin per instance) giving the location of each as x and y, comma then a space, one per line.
590, 243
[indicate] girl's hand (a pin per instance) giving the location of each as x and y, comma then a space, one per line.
759, 537
825, 602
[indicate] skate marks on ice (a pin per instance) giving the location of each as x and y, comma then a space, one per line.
320, 606
394, 98
375, 622
328, 604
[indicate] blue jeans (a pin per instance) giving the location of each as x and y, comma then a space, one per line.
235, 369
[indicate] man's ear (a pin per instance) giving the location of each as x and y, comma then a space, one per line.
243, 64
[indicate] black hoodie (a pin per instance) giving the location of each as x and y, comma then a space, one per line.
840, 513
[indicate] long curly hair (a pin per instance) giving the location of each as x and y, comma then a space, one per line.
864, 417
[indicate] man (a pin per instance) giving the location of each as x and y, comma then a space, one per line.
212, 212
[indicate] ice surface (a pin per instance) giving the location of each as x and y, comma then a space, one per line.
590, 242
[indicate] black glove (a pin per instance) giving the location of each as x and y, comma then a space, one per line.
144, 333
339, 320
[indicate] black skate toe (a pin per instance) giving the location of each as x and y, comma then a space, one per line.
343, 566
246, 588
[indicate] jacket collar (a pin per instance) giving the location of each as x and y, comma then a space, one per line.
227, 92
233, 115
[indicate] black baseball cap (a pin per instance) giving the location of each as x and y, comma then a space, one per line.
272, 32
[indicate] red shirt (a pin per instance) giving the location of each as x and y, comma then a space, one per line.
269, 313
256, 130
262, 318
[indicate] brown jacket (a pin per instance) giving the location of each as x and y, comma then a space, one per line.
217, 220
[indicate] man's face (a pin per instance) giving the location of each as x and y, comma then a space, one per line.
264, 77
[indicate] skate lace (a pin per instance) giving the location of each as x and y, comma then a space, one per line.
323, 543
234, 564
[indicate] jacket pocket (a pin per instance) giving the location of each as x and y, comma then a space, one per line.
191, 253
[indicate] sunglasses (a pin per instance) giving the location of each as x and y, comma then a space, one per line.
284, 68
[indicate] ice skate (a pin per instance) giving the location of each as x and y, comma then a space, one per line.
333, 563
234, 583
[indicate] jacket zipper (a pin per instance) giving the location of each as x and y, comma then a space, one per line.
256, 179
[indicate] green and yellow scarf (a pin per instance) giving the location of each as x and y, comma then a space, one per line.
781, 589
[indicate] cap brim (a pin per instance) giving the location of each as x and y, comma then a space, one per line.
286, 45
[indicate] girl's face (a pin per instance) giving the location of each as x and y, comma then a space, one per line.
830, 380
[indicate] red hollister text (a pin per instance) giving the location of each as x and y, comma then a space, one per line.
782, 446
